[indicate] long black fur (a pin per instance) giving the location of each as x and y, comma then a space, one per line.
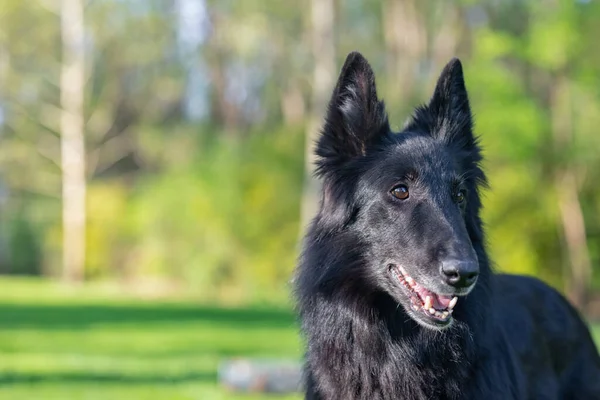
511, 338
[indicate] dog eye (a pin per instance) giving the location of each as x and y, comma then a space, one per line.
460, 196
400, 192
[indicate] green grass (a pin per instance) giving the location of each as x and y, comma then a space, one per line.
87, 343
91, 342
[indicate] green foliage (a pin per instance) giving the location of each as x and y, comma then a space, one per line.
214, 204
512, 127
224, 220
228, 221
108, 234
25, 257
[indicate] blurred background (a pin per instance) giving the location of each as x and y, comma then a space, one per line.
155, 169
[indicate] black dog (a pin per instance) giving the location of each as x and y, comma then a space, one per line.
394, 288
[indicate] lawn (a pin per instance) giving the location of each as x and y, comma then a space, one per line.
90, 343
84, 343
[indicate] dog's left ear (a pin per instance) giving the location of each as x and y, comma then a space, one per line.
448, 114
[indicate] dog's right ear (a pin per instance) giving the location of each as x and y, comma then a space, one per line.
355, 119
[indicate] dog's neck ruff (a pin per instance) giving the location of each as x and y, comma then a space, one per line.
380, 352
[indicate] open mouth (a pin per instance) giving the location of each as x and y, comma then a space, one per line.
435, 307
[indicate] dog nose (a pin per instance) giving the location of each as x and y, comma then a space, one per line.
459, 273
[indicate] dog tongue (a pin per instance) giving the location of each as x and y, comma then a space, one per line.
438, 301
442, 301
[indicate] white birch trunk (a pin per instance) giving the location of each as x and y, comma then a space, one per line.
72, 139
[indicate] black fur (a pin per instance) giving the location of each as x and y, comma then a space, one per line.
510, 337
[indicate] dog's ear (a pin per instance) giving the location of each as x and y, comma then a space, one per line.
355, 119
448, 114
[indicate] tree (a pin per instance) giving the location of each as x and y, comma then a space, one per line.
323, 79
72, 139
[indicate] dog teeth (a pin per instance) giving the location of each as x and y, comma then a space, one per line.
452, 303
428, 303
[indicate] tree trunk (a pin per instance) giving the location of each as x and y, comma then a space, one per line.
224, 112
323, 80
405, 44
445, 37
72, 139
567, 189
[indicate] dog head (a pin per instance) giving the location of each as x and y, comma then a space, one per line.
410, 199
